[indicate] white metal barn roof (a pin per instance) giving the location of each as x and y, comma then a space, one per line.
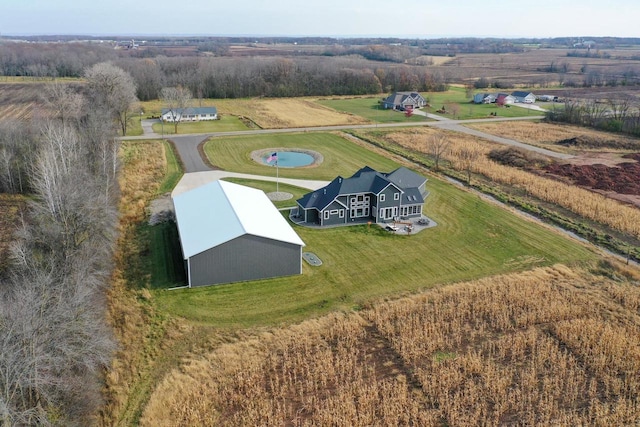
220, 211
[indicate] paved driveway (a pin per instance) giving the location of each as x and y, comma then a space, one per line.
187, 146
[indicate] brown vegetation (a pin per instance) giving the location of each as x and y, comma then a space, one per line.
137, 326
549, 346
582, 202
556, 136
11, 208
622, 179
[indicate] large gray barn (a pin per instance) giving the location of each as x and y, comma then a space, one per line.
232, 233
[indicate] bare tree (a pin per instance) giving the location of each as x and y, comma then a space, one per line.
113, 88
438, 145
63, 100
465, 159
176, 99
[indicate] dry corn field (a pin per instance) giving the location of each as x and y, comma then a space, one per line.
584, 203
552, 346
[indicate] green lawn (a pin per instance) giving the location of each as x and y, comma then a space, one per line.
227, 123
469, 110
174, 169
370, 108
473, 239
270, 187
341, 157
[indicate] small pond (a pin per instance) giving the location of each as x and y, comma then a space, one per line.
289, 159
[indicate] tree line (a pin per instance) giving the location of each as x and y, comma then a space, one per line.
54, 339
277, 77
233, 77
616, 114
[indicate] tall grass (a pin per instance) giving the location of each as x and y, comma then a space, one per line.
138, 327
582, 202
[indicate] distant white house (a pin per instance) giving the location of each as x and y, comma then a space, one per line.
190, 114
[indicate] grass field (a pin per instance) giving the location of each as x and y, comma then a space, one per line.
341, 157
368, 108
454, 100
473, 239
267, 113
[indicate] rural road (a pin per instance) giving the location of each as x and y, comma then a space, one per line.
187, 145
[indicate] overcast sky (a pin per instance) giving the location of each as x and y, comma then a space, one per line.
351, 18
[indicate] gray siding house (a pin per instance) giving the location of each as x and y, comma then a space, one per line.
367, 196
524, 97
403, 100
232, 233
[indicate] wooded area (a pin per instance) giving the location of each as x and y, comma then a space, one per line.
54, 338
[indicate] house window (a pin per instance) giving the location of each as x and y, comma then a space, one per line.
326, 214
382, 197
341, 214
334, 212
396, 196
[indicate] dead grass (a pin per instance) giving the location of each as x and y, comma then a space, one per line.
11, 207
139, 329
552, 346
268, 113
547, 134
584, 203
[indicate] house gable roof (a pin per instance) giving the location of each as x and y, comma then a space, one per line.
192, 110
365, 180
406, 178
399, 98
220, 211
521, 94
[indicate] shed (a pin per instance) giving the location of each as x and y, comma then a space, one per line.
232, 233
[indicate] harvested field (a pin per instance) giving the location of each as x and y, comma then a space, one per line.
22, 101
273, 113
535, 67
552, 346
287, 112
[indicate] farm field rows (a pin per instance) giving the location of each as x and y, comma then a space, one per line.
551, 346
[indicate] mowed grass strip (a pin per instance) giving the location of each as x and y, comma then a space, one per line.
341, 157
473, 239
